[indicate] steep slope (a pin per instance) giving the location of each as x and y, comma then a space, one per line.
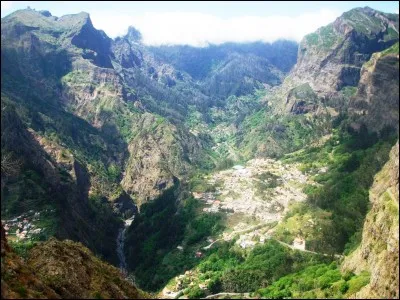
17, 279
379, 249
316, 94
232, 68
376, 102
94, 127
240, 75
76, 63
51, 174
79, 274
331, 58
151, 83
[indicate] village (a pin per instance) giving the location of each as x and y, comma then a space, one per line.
254, 190
238, 193
261, 192
245, 241
25, 226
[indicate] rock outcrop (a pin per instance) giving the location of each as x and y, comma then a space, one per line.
377, 99
56, 270
331, 58
379, 249
74, 272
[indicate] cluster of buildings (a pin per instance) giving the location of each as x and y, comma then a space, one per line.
188, 279
22, 227
209, 198
249, 240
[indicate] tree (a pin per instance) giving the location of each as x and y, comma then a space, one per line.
10, 166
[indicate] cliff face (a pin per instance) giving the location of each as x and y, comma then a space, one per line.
377, 99
60, 66
331, 58
379, 249
49, 174
158, 155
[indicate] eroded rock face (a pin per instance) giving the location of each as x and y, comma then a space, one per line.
158, 155
79, 274
55, 270
331, 58
77, 63
377, 99
379, 249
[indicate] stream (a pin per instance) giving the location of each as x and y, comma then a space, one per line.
121, 245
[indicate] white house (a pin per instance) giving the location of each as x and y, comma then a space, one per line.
238, 167
299, 243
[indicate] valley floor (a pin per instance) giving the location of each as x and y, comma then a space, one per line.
253, 198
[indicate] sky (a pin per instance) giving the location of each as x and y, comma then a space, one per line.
198, 23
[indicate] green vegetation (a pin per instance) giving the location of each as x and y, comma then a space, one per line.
227, 268
270, 135
353, 158
312, 39
22, 291
80, 146
156, 232
67, 125
328, 35
77, 77
319, 281
362, 22
392, 50
27, 191
22, 248
308, 221
349, 91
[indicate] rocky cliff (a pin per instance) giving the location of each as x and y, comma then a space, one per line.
51, 172
376, 102
378, 252
331, 58
66, 65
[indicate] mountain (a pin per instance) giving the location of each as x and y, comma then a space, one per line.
320, 87
232, 68
91, 121
330, 59
376, 102
198, 171
75, 62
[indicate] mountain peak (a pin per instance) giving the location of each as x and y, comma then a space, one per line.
45, 13
133, 34
74, 20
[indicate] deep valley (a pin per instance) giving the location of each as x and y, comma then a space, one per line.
238, 170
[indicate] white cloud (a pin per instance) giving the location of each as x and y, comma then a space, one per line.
199, 29
6, 5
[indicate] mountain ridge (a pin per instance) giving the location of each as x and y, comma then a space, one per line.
100, 130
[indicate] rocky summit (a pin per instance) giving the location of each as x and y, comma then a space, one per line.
240, 170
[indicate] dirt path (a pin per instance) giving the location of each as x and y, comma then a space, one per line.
247, 295
233, 233
313, 252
